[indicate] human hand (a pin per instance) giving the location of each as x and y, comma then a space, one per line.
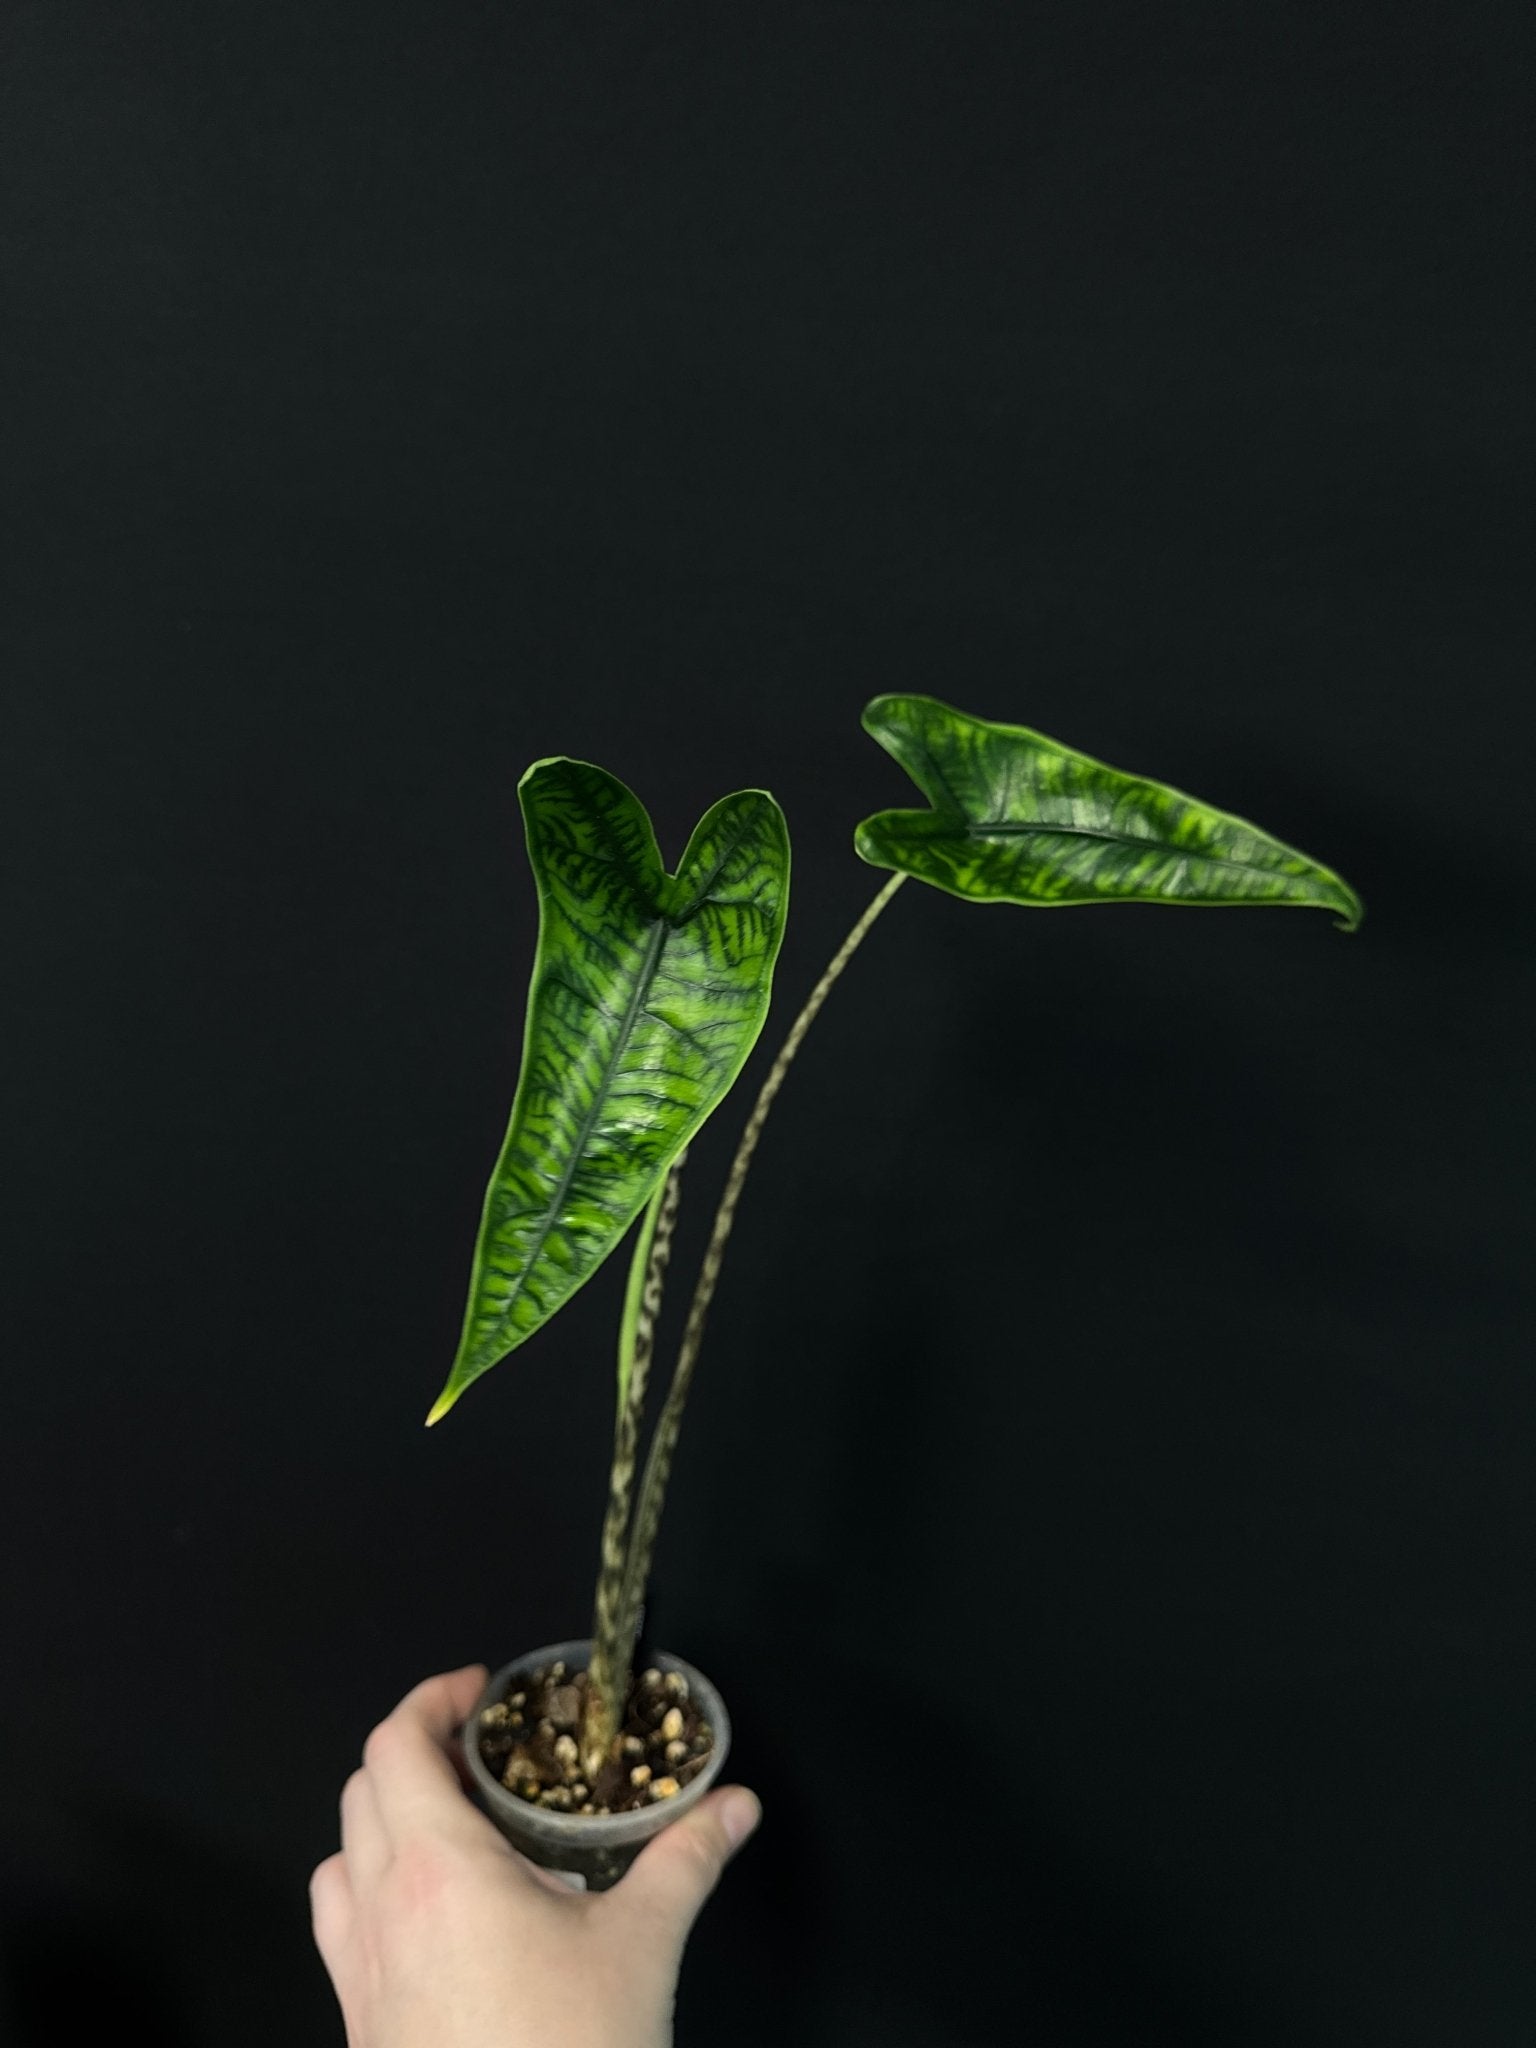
437, 1933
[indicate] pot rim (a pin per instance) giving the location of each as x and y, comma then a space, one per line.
597, 1830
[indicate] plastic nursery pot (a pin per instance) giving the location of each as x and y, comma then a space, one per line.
596, 1847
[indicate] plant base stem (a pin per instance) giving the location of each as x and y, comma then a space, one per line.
610, 1668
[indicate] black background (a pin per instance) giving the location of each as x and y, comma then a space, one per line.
1105, 1500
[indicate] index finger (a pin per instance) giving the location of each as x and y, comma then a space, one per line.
415, 1780
440, 1704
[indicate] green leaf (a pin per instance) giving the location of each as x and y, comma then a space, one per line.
1019, 818
648, 993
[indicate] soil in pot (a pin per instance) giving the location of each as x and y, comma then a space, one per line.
530, 1740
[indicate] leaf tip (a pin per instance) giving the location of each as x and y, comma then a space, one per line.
440, 1406
1350, 908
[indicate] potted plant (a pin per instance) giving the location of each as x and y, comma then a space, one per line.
648, 993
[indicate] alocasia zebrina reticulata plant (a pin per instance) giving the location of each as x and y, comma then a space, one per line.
649, 991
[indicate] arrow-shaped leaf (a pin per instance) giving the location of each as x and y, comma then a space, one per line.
1018, 818
648, 993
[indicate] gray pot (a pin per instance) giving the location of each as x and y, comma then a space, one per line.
596, 1847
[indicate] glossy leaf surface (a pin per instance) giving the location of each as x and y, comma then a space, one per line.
647, 995
1019, 818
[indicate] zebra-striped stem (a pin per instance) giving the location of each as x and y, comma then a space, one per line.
609, 1670
658, 1465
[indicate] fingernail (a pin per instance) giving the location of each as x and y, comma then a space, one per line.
740, 1812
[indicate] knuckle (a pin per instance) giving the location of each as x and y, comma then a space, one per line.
329, 1909
380, 1741
430, 1692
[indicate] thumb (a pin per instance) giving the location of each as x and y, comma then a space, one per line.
676, 1872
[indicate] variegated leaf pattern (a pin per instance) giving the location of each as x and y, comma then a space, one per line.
1019, 818
647, 995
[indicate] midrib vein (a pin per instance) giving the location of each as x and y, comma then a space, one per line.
975, 829
643, 981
